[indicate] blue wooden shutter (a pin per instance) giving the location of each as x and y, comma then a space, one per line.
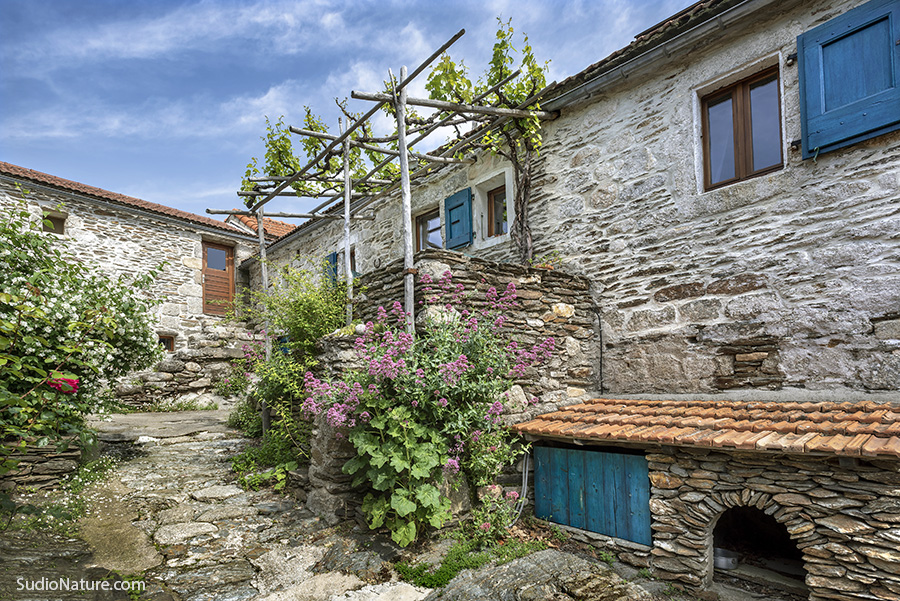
331, 267
849, 76
458, 219
608, 493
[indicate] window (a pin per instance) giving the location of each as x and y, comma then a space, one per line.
742, 130
55, 223
458, 219
849, 71
496, 202
167, 342
331, 267
428, 230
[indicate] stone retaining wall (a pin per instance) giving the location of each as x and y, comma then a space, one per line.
193, 369
551, 304
845, 520
41, 467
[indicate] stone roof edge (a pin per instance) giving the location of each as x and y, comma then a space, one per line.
17, 173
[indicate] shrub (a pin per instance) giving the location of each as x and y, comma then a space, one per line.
66, 329
422, 406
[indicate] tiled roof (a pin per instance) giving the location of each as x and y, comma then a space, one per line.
98, 193
648, 39
272, 228
850, 428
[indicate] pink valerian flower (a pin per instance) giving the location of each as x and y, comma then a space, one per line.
442, 402
452, 465
64, 385
512, 496
453, 371
485, 526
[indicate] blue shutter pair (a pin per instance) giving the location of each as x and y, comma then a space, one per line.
458, 219
850, 77
331, 270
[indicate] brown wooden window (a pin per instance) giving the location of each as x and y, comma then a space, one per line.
54, 223
742, 130
428, 230
497, 223
167, 342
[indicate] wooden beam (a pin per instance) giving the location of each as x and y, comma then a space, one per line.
301, 195
456, 107
388, 151
313, 215
316, 180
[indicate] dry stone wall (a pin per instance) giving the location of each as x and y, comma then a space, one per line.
845, 520
193, 370
41, 467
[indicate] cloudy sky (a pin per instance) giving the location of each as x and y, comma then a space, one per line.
166, 100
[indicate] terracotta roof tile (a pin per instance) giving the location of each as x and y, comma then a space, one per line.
848, 428
98, 193
272, 228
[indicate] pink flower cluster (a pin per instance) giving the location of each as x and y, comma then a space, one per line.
64, 385
452, 372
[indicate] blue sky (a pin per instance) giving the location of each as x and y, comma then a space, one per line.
166, 100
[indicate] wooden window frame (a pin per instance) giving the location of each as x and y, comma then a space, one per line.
422, 230
54, 218
739, 92
490, 211
167, 342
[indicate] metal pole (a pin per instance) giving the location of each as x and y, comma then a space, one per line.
264, 273
347, 271
408, 277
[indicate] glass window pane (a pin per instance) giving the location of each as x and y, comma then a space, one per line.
765, 125
434, 238
216, 258
721, 141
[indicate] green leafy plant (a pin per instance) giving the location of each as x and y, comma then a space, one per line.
517, 140
267, 463
607, 557
66, 330
172, 405
245, 416
493, 518
421, 406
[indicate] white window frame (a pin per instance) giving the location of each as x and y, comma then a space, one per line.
480, 188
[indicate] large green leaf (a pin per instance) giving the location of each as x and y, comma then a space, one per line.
404, 533
428, 495
401, 504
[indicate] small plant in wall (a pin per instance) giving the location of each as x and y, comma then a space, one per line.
422, 407
547, 261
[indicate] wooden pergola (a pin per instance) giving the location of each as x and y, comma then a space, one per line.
333, 190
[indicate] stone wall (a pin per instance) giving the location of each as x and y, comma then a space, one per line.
41, 467
124, 242
790, 280
192, 370
551, 304
845, 520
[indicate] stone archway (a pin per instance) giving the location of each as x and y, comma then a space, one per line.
781, 511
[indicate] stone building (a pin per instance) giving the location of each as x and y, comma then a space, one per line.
728, 185
783, 278
125, 235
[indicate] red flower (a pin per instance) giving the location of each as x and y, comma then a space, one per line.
64, 385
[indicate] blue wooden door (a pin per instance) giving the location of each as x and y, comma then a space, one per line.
608, 493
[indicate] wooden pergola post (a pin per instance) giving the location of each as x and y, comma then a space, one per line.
347, 271
406, 195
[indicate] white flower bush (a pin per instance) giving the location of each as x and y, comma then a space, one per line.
66, 329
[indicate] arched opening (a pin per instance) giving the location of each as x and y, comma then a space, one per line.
752, 547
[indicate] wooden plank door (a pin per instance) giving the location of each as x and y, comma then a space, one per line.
218, 278
602, 492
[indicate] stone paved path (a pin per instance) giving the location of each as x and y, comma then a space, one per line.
172, 516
